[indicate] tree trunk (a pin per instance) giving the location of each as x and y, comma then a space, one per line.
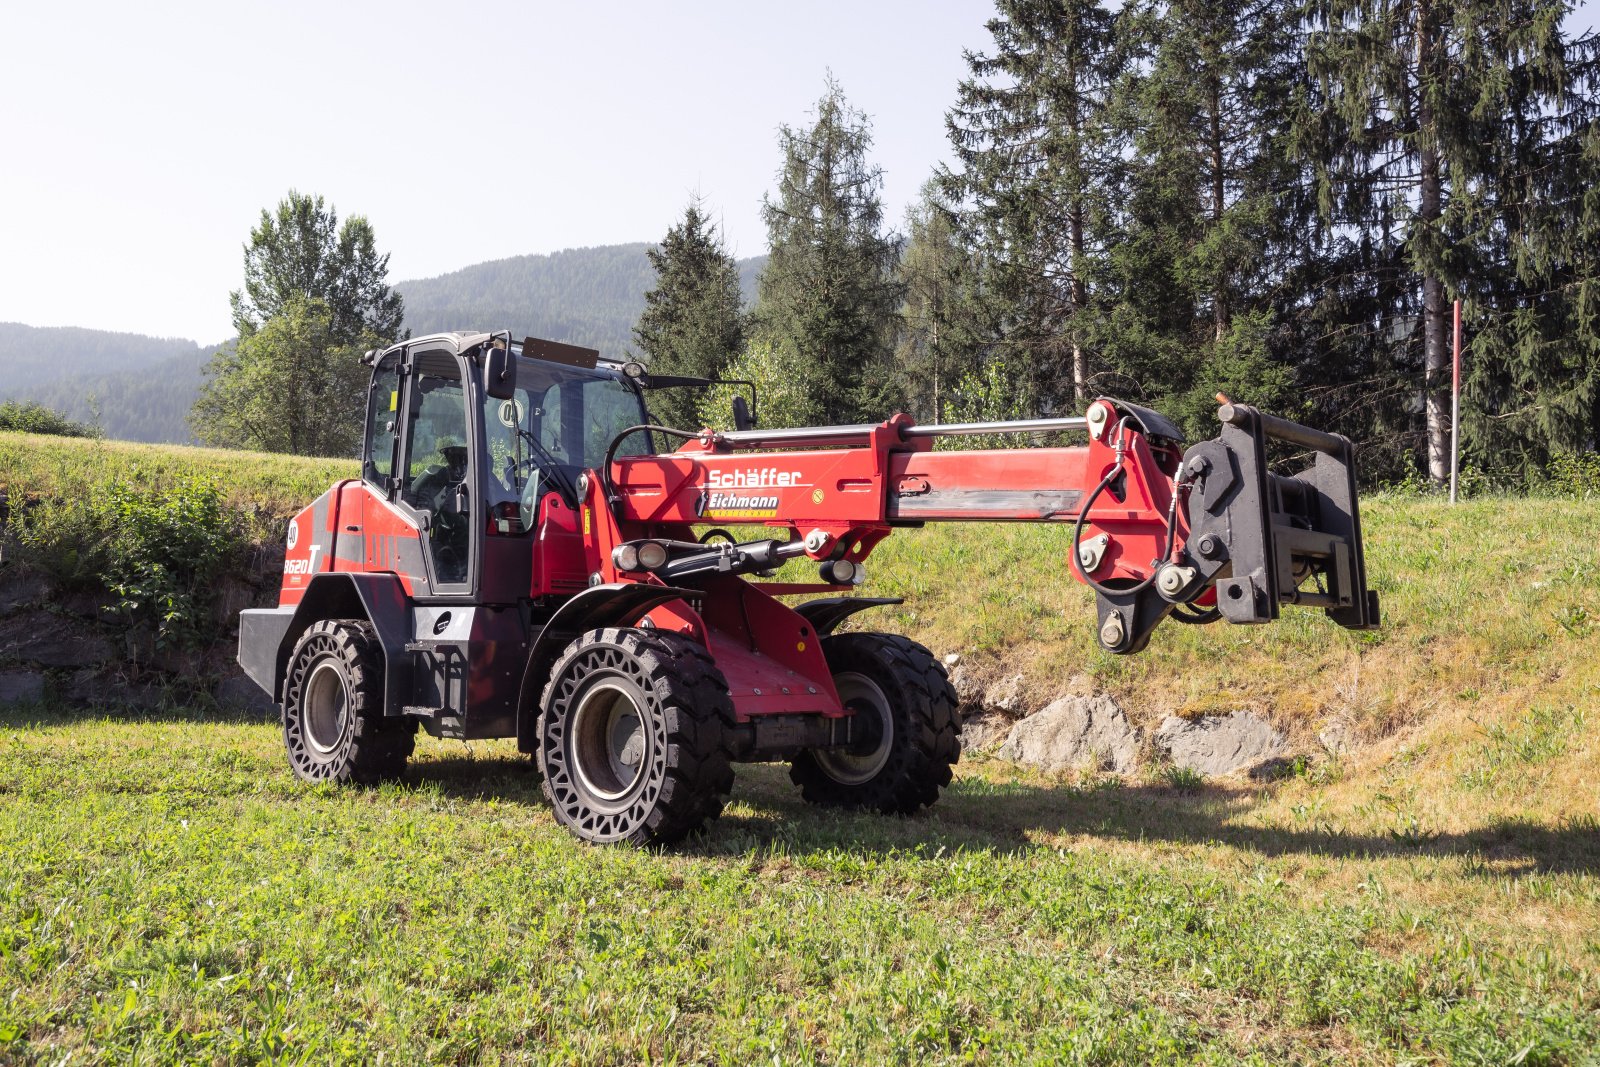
1080, 299
1219, 297
1435, 310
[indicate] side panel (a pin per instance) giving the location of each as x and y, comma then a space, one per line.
468, 666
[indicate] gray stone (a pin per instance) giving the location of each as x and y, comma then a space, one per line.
89, 605
238, 691
984, 731
1010, 695
1337, 737
51, 641
21, 687
1220, 744
969, 694
106, 690
1075, 732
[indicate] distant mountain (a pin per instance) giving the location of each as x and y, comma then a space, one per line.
141, 388
586, 296
138, 388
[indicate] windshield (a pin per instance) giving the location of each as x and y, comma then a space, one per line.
559, 423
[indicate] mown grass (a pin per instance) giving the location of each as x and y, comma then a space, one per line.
170, 893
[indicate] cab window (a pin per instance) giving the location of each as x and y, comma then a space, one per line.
383, 416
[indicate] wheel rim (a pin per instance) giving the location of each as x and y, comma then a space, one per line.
861, 762
608, 742
325, 709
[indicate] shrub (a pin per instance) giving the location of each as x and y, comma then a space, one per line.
33, 417
160, 551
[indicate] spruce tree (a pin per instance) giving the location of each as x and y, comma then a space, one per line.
936, 347
828, 294
693, 321
1204, 241
1037, 185
1421, 103
1532, 374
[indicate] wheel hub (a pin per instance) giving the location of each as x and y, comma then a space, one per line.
861, 761
326, 708
608, 741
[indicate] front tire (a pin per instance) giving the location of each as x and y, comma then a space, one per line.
908, 725
334, 729
633, 737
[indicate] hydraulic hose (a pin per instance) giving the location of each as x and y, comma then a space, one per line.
611, 451
1083, 517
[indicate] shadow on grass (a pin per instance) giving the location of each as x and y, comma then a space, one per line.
979, 815
766, 812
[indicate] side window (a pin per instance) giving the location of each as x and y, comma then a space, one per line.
437, 474
383, 416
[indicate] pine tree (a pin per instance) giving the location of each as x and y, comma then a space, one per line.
1205, 241
828, 294
693, 321
1037, 185
315, 295
935, 348
1421, 104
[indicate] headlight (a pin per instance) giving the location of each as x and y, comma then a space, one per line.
842, 572
652, 554
626, 558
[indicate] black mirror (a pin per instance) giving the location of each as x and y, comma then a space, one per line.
742, 419
499, 373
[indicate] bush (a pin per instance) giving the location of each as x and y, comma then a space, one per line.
159, 551
36, 418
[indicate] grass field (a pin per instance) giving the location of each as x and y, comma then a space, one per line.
169, 893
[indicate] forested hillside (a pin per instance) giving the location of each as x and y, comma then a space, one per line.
141, 388
587, 296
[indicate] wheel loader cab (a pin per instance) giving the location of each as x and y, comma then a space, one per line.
482, 477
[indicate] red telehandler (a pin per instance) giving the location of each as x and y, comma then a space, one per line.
517, 560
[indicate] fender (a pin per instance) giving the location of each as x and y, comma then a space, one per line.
612, 604
825, 614
376, 598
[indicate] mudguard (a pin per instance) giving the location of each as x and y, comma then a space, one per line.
267, 636
611, 604
826, 613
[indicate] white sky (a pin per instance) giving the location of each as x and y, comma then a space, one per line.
139, 141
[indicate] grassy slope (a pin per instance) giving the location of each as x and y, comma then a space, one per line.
266, 488
1435, 896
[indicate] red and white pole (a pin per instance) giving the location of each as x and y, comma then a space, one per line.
1455, 405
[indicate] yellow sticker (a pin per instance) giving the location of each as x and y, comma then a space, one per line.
394, 399
816, 496
586, 522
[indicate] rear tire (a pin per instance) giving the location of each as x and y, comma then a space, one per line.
633, 737
334, 729
909, 740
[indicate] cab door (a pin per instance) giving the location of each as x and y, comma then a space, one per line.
419, 462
